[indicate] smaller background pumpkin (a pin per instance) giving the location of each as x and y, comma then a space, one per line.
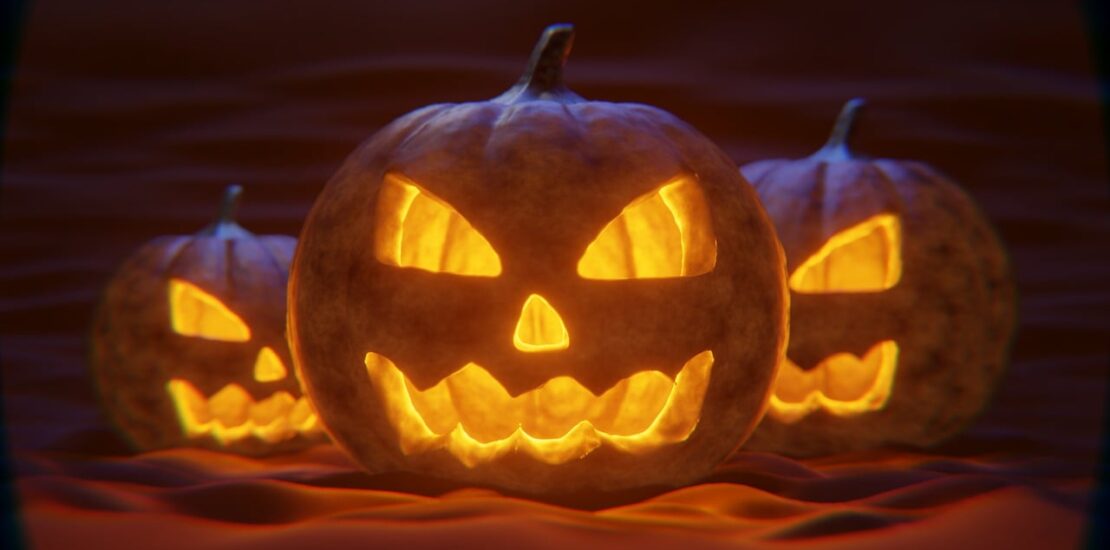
902, 305
188, 344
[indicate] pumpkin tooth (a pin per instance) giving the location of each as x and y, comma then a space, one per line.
192, 407
645, 393
555, 408
231, 405
272, 408
558, 422
302, 416
484, 407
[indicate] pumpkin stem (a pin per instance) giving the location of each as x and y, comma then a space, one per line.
229, 203
543, 77
225, 225
836, 148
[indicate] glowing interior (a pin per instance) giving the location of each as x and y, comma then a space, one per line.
470, 414
540, 328
866, 257
194, 312
231, 414
842, 385
268, 367
665, 233
418, 229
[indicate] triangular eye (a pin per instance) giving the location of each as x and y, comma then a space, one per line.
418, 229
665, 233
194, 312
866, 257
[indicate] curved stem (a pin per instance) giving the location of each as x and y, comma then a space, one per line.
228, 205
543, 76
836, 148
225, 226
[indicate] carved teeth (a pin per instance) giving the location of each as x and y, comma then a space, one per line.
471, 415
842, 384
231, 414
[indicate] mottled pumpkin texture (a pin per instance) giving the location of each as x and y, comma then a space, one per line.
951, 313
136, 351
538, 172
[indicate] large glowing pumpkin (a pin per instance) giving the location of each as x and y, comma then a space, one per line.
539, 292
902, 302
189, 344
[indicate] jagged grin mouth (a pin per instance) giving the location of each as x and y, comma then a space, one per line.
231, 414
841, 385
471, 415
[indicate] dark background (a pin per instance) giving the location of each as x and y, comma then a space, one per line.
126, 119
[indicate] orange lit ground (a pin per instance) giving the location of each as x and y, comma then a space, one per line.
191, 499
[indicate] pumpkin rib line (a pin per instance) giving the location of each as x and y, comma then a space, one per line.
412, 134
179, 255
229, 264
264, 245
891, 186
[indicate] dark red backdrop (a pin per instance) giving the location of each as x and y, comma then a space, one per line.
126, 119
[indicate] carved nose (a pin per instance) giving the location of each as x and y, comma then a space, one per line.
268, 366
539, 327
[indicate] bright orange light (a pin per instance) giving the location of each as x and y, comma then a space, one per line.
231, 414
866, 257
843, 385
418, 229
470, 414
665, 233
194, 312
268, 367
539, 327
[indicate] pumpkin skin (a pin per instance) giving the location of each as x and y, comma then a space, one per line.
944, 317
537, 172
179, 328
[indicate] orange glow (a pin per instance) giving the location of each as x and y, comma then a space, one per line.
231, 414
470, 414
539, 327
268, 367
418, 229
866, 257
194, 312
842, 384
665, 233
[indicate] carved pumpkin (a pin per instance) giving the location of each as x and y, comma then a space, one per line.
538, 292
189, 344
902, 302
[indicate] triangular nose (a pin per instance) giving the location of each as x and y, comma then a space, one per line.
540, 328
268, 367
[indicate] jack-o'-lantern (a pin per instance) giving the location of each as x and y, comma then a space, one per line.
902, 306
538, 292
189, 344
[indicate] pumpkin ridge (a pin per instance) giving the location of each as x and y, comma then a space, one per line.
889, 185
170, 252
431, 112
271, 253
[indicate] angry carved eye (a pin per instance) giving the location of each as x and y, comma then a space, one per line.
418, 229
866, 257
665, 233
198, 314
194, 312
